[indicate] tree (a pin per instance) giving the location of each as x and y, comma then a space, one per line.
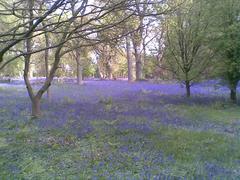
16, 31
58, 24
147, 12
157, 49
227, 42
129, 59
137, 37
188, 55
64, 30
77, 51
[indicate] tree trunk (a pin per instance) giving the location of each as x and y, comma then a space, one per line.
109, 74
129, 60
49, 96
36, 111
137, 41
79, 68
139, 65
46, 65
80, 76
98, 72
233, 94
188, 90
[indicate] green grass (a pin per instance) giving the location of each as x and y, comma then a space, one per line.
190, 146
218, 113
31, 153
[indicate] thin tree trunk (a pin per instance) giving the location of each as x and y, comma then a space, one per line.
27, 58
188, 88
143, 55
79, 68
233, 94
129, 60
46, 65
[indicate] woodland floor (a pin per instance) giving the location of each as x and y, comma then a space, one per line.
117, 130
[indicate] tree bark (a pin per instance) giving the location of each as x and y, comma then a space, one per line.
79, 68
36, 110
27, 58
233, 94
46, 64
139, 65
129, 60
188, 88
137, 41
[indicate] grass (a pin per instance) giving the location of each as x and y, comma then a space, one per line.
218, 113
143, 149
31, 153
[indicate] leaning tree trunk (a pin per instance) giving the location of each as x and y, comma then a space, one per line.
79, 68
188, 88
129, 60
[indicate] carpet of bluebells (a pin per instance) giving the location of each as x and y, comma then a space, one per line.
120, 130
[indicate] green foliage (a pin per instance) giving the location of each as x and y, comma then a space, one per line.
14, 69
89, 70
220, 113
150, 67
227, 40
187, 54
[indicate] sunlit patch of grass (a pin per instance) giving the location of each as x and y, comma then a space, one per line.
187, 145
192, 150
217, 113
